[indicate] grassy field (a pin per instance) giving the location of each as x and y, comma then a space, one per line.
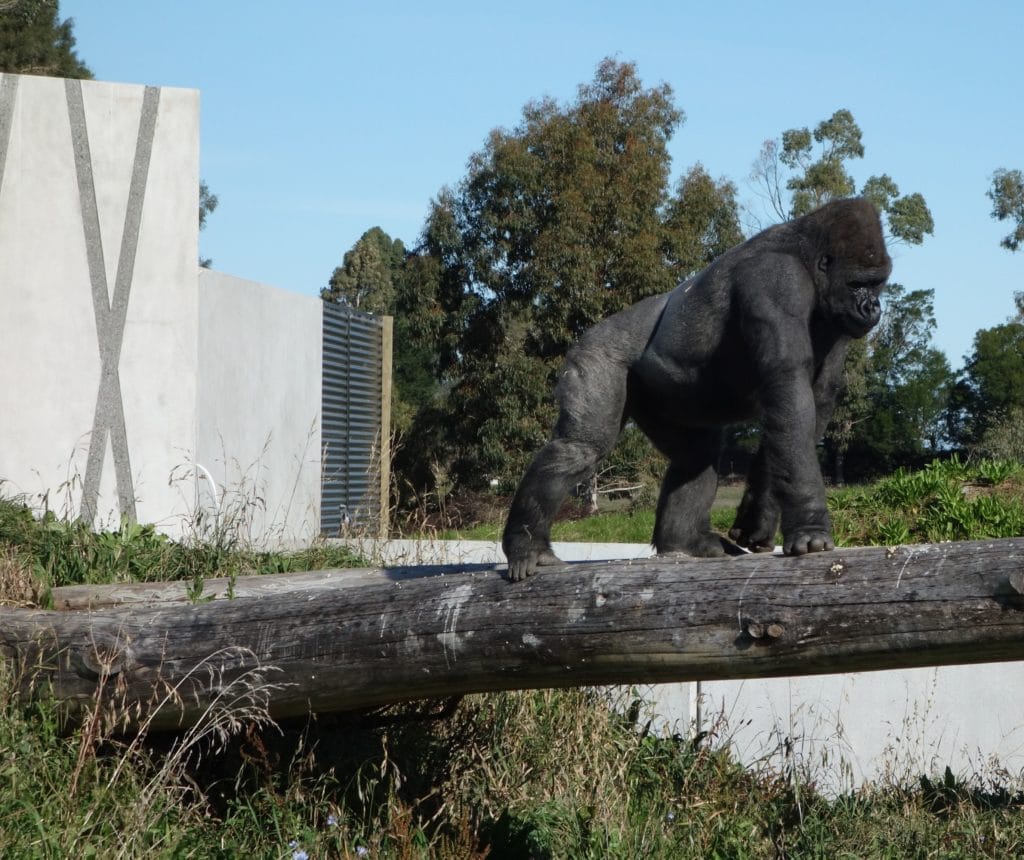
615, 523
945, 501
547, 774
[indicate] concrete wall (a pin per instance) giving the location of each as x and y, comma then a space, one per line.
258, 437
890, 727
132, 382
98, 251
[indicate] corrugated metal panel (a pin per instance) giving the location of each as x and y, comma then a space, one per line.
351, 409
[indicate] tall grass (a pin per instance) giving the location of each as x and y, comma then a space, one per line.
512, 775
58, 552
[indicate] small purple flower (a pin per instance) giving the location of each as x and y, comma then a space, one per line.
300, 855
332, 820
362, 851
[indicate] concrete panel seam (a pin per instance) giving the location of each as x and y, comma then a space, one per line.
111, 314
8, 94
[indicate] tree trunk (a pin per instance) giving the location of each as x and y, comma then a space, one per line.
344, 639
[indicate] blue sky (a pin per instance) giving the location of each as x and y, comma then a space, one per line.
322, 119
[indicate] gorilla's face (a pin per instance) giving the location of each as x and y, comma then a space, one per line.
852, 275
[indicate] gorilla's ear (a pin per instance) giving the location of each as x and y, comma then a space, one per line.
824, 261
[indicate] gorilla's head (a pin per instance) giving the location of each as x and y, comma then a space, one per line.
848, 261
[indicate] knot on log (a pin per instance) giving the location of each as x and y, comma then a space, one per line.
770, 632
1010, 591
100, 660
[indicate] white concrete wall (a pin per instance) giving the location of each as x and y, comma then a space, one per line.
124, 367
258, 436
838, 731
891, 727
67, 227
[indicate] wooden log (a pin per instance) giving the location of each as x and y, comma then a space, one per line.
347, 639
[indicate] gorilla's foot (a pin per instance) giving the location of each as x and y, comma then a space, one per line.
547, 558
700, 545
808, 540
757, 521
756, 542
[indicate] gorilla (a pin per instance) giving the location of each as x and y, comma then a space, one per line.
761, 334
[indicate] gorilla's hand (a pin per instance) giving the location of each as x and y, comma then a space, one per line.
525, 556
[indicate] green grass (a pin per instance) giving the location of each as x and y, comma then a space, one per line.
617, 526
947, 500
69, 553
547, 774
511, 775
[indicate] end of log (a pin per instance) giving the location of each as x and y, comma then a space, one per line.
1010, 591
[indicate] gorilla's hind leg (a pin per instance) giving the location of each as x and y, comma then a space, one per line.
683, 520
591, 396
554, 473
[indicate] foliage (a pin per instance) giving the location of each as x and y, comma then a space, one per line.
795, 180
34, 41
69, 553
991, 385
366, 278
893, 410
1004, 437
634, 461
1007, 196
566, 774
378, 276
559, 222
947, 500
852, 407
207, 205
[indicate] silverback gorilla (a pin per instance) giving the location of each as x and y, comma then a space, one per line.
762, 334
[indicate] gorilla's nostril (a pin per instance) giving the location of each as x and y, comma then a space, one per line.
869, 307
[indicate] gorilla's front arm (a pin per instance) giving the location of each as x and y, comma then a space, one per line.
761, 334
796, 394
758, 515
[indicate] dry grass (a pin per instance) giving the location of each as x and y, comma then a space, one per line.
18, 586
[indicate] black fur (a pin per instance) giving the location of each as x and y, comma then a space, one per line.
762, 334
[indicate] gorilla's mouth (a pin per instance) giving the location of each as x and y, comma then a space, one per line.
867, 311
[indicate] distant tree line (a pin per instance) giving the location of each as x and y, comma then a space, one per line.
571, 216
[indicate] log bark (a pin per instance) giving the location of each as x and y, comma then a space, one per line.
347, 639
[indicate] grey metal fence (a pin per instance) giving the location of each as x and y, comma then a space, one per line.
355, 419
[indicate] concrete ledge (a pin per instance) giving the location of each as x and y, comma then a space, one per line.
403, 552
